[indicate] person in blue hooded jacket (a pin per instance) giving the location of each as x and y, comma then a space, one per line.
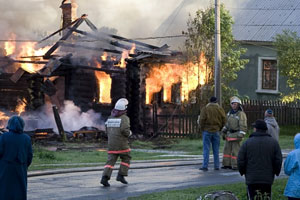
292, 169
15, 158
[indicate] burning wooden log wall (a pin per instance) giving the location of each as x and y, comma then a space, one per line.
81, 88
11, 93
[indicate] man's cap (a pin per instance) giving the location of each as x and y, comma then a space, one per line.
213, 99
260, 124
269, 111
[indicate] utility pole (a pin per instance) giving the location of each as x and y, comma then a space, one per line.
217, 52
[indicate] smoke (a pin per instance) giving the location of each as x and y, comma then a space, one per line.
73, 119
132, 18
71, 116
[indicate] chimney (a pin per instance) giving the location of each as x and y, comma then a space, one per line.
66, 14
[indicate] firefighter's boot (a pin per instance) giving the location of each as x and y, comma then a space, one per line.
104, 181
121, 179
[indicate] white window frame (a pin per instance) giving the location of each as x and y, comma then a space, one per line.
259, 77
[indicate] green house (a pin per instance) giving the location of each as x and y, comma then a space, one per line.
257, 22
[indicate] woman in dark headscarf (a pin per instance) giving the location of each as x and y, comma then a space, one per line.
15, 158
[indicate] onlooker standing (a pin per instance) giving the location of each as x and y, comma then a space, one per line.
292, 169
212, 119
273, 128
15, 158
259, 159
118, 131
233, 132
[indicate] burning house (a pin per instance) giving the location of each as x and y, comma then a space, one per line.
93, 70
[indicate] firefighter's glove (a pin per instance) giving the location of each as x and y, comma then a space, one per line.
240, 135
198, 120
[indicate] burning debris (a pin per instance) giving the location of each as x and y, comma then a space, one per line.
85, 73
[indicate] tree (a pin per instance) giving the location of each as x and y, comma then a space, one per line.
200, 34
288, 53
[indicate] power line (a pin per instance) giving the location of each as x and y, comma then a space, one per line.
145, 38
257, 9
160, 37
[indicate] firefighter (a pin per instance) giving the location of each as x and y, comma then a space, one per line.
118, 131
233, 132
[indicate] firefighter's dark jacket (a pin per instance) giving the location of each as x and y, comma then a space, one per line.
259, 159
118, 131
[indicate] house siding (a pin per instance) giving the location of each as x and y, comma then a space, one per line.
247, 80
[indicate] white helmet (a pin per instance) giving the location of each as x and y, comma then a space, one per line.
121, 104
235, 99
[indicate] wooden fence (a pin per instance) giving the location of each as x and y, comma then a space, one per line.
285, 113
177, 123
183, 123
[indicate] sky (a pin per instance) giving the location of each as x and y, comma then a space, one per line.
132, 18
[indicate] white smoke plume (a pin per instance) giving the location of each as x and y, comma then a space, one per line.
71, 116
73, 119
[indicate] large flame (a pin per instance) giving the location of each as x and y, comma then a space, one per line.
20, 108
23, 49
10, 45
104, 82
125, 54
164, 76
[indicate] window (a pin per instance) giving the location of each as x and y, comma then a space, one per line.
267, 75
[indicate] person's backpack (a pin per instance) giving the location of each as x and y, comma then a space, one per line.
218, 195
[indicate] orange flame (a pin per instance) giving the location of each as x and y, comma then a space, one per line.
10, 46
132, 50
24, 49
3, 119
3, 116
163, 77
104, 56
28, 49
124, 56
20, 108
104, 81
41, 133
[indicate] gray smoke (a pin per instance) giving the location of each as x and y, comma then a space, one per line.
71, 116
132, 18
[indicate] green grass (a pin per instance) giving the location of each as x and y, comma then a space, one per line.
87, 152
239, 189
45, 159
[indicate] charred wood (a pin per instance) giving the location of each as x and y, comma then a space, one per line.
133, 95
89, 48
59, 124
66, 36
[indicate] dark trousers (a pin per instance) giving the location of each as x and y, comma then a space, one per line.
293, 198
259, 191
111, 161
